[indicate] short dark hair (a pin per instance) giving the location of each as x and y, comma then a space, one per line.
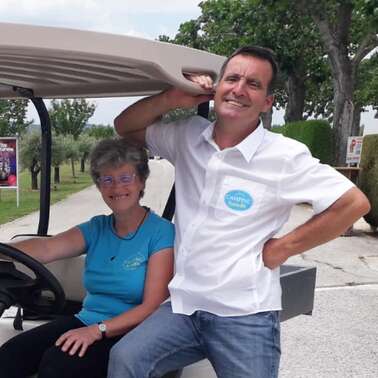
257, 52
114, 152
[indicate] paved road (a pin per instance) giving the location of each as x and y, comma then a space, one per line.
340, 339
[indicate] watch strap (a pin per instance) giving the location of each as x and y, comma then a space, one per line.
102, 329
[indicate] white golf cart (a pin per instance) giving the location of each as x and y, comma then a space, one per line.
43, 63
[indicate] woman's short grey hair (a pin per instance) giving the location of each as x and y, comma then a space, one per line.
115, 152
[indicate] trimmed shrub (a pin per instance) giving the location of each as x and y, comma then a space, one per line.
317, 135
278, 129
368, 177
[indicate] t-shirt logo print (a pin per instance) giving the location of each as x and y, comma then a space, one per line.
133, 262
238, 200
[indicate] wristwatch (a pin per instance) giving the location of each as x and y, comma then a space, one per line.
102, 329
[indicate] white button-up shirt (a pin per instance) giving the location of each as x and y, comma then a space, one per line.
228, 204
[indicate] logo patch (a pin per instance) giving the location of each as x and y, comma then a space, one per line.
133, 262
238, 200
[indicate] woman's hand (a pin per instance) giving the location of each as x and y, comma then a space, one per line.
78, 340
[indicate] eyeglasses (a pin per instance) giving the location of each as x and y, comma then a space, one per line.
108, 181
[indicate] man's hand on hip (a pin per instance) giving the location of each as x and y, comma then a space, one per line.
273, 254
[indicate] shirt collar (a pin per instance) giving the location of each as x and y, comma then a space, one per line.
207, 134
247, 147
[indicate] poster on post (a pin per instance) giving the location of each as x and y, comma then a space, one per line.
354, 150
8, 163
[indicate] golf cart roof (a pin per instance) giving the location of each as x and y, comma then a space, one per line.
58, 63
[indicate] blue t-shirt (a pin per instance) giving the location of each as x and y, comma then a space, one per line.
115, 267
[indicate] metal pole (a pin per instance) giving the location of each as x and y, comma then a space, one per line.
17, 174
45, 181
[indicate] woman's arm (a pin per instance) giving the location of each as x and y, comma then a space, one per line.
159, 273
47, 249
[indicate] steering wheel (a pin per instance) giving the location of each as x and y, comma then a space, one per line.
30, 293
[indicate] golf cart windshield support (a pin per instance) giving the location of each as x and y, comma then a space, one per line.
45, 181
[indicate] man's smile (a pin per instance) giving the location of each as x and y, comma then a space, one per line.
236, 103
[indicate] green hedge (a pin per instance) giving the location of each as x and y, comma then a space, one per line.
315, 134
368, 177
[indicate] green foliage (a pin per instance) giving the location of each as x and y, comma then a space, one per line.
177, 114
30, 155
69, 117
367, 83
164, 38
12, 117
368, 177
301, 33
29, 199
293, 37
85, 145
348, 30
226, 25
278, 129
71, 148
189, 35
58, 153
100, 131
315, 134
30, 150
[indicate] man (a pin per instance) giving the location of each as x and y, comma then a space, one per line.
235, 186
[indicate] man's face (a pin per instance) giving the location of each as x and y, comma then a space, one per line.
241, 95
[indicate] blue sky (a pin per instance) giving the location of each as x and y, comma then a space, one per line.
141, 18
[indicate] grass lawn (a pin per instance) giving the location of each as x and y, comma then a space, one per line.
29, 199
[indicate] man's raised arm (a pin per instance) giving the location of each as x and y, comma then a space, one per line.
134, 120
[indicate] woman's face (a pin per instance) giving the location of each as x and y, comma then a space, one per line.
120, 188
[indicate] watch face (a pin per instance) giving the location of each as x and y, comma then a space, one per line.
102, 327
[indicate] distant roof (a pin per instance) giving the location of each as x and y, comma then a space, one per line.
58, 63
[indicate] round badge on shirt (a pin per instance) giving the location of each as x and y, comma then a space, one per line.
238, 200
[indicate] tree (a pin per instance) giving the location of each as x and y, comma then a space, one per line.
72, 152
314, 40
85, 145
189, 35
13, 117
225, 26
58, 155
348, 30
30, 155
100, 131
69, 117
367, 83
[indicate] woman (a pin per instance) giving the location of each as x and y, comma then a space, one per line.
129, 262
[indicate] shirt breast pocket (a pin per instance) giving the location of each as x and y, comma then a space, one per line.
238, 198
